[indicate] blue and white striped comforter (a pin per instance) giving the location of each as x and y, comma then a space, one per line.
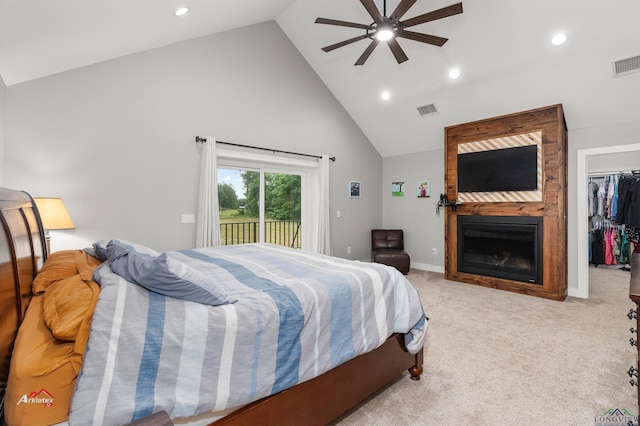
297, 316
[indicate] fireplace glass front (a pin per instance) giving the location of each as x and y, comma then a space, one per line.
508, 247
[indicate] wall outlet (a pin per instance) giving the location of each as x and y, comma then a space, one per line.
434, 252
348, 249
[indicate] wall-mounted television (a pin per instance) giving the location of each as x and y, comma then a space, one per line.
509, 169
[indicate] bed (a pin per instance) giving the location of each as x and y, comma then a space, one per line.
234, 361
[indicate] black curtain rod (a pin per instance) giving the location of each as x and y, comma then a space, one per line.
203, 140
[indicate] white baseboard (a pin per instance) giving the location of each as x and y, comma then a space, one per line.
427, 267
577, 292
423, 267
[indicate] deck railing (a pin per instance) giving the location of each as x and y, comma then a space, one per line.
281, 232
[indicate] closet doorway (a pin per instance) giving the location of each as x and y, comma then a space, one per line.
589, 161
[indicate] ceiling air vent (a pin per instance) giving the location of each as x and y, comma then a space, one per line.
626, 66
427, 110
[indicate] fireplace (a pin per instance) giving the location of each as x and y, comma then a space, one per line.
536, 261
508, 247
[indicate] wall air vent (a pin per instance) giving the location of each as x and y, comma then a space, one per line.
626, 66
427, 110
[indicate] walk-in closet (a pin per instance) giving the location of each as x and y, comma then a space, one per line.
614, 218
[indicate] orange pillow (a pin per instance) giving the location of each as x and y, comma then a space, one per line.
66, 304
64, 264
59, 265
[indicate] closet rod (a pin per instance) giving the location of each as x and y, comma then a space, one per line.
203, 140
603, 174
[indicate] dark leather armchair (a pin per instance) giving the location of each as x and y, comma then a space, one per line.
387, 247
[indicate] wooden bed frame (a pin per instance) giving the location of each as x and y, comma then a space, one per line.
317, 401
22, 254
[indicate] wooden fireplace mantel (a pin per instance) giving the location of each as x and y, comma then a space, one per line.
552, 206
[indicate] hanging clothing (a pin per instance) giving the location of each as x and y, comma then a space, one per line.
608, 244
624, 249
614, 201
629, 200
601, 192
597, 247
614, 210
592, 195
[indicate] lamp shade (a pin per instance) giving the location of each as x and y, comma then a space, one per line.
53, 213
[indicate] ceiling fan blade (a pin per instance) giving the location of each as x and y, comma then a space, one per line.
454, 9
367, 52
401, 9
424, 38
372, 9
397, 50
344, 43
342, 23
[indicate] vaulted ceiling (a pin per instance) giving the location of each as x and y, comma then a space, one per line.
502, 49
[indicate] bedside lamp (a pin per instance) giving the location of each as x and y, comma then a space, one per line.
54, 215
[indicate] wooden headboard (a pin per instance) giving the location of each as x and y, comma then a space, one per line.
22, 254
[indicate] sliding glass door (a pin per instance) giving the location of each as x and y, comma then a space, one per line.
260, 205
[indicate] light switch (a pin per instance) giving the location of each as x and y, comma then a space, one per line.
188, 218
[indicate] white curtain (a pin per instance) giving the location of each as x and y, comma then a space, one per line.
324, 214
208, 222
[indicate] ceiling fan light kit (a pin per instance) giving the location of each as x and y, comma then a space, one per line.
384, 32
389, 28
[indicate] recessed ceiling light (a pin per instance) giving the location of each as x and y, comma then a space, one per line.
454, 73
559, 39
385, 95
181, 11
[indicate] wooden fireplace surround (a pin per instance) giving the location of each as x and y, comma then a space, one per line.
551, 123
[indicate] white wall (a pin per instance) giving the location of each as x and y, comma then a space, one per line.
423, 227
614, 163
115, 140
2, 103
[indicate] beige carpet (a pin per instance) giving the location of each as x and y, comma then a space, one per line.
498, 358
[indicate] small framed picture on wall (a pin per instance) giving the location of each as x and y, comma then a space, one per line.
424, 189
355, 189
397, 189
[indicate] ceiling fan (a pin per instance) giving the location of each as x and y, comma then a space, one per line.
389, 28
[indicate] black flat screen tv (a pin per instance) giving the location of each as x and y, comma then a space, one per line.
509, 169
